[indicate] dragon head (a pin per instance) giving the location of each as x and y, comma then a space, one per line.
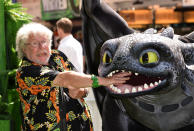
155, 61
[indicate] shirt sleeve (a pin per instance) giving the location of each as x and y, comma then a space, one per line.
35, 79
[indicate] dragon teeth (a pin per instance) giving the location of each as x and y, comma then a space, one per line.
119, 91
146, 86
134, 90
140, 89
156, 83
151, 85
109, 75
115, 89
115, 71
126, 91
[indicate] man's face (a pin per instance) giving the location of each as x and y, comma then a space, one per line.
38, 49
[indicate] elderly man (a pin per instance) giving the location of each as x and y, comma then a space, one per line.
51, 95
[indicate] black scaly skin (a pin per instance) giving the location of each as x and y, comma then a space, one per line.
167, 106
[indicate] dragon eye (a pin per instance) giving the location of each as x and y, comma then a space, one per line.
149, 57
107, 58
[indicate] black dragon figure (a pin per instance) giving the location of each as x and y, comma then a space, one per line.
159, 94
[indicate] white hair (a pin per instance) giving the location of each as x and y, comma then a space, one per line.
25, 31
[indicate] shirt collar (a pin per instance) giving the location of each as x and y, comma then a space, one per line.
66, 38
26, 61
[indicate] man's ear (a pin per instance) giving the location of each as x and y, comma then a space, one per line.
59, 31
24, 50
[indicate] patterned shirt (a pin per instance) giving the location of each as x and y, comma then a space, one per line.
45, 107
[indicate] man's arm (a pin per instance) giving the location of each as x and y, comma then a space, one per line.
74, 79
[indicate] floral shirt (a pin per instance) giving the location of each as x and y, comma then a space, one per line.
45, 107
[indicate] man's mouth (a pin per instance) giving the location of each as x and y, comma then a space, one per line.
42, 54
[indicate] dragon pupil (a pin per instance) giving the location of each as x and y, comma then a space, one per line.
145, 58
108, 59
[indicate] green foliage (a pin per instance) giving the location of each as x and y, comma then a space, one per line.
15, 17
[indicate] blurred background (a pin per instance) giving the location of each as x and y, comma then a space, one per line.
139, 14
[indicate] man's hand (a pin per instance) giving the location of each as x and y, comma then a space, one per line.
76, 93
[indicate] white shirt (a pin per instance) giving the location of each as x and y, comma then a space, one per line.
73, 50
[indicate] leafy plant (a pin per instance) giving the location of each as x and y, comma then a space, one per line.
14, 18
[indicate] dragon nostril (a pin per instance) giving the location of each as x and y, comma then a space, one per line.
124, 62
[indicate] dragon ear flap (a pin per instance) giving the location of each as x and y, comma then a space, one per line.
189, 38
168, 32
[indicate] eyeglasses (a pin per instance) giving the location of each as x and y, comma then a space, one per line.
41, 43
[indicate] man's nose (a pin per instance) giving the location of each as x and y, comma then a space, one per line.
42, 45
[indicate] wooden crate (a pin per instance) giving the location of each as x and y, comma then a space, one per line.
167, 16
189, 16
137, 17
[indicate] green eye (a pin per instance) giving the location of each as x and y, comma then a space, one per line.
106, 58
149, 57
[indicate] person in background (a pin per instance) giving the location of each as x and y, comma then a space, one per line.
51, 94
69, 45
